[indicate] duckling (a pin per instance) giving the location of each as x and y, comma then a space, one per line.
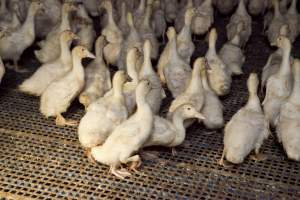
218, 75
112, 34
50, 46
85, 28
13, 45
156, 94
279, 85
123, 25
2, 70
288, 123
159, 23
172, 68
185, 45
49, 19
193, 94
104, 115
293, 20
92, 7
212, 108
203, 18
60, 93
146, 31
257, 7
180, 18
226, 6
231, 53
97, 76
48, 72
277, 22
133, 40
127, 138
240, 15
171, 133
247, 129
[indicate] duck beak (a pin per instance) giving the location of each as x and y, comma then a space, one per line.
199, 116
76, 37
90, 55
128, 78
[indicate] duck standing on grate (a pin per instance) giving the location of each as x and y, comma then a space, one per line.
247, 129
128, 137
288, 127
59, 95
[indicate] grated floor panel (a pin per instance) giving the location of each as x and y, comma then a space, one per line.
42, 161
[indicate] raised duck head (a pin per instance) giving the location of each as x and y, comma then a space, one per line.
283, 43
253, 100
68, 36
82, 52
119, 79
241, 8
236, 40
68, 7
284, 30
131, 61
189, 15
195, 83
141, 92
147, 65
36, 7
187, 111
171, 33
99, 45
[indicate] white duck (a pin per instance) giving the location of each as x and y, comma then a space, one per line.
60, 93
218, 75
12, 45
172, 68
288, 126
247, 129
104, 115
85, 28
203, 18
212, 109
293, 20
112, 34
48, 72
257, 7
193, 94
231, 53
279, 85
277, 22
156, 94
171, 133
240, 15
97, 76
50, 46
127, 138
133, 40
146, 31
185, 45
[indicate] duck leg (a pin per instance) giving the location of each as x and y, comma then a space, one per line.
222, 161
61, 121
87, 153
174, 152
135, 162
258, 156
121, 173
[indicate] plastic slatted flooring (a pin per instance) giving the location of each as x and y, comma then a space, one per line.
42, 161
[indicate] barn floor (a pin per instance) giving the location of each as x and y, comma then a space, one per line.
42, 161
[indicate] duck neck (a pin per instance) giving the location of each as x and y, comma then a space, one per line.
77, 67
142, 105
293, 7
241, 8
111, 20
212, 45
118, 92
65, 55
195, 82
142, 6
146, 20
173, 49
29, 21
99, 50
236, 40
3, 7
277, 13
253, 102
285, 68
147, 65
177, 121
205, 81
133, 73
65, 22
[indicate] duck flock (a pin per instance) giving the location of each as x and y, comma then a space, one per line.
122, 108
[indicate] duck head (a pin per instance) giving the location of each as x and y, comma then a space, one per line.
82, 52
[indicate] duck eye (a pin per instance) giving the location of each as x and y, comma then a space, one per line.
189, 108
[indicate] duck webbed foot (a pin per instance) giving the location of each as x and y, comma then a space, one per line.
61, 121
